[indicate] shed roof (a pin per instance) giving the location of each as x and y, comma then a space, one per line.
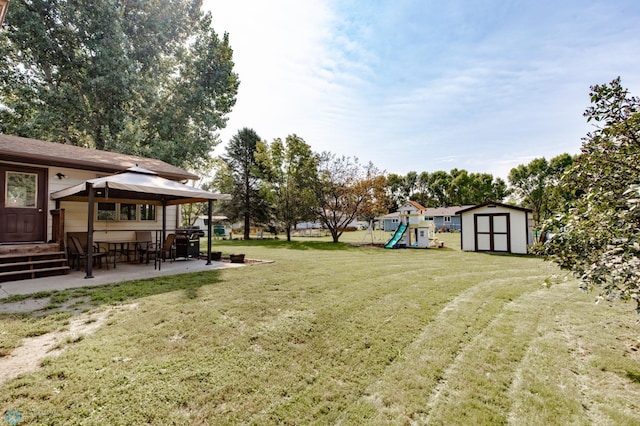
34, 151
493, 203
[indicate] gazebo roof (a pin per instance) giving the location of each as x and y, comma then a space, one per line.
137, 183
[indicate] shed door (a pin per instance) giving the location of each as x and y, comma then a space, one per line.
492, 232
23, 196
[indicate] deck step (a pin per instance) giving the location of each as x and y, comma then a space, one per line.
34, 273
28, 265
32, 262
11, 256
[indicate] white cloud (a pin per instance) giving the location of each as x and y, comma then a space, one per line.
425, 85
278, 48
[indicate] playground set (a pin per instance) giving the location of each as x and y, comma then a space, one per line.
414, 231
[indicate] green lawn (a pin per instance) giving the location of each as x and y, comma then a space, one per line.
338, 334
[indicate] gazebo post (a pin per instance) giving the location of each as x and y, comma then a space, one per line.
151, 187
164, 231
164, 220
209, 232
89, 261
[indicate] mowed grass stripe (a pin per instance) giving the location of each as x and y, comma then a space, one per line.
357, 332
406, 387
545, 388
475, 385
580, 368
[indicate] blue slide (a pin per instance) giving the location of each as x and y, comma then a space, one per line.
397, 236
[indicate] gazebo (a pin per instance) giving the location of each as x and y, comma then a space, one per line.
136, 184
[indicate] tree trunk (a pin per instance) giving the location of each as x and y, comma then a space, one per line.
246, 226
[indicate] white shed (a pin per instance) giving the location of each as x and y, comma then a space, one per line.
496, 227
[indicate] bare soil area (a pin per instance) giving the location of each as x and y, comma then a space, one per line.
29, 355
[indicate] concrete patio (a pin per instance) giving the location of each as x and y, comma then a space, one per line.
123, 272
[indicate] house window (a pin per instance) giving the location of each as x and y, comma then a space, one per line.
147, 212
21, 190
125, 212
128, 211
106, 211
447, 219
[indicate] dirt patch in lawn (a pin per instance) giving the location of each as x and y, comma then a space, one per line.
27, 357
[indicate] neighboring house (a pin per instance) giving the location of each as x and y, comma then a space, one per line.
308, 225
388, 222
445, 218
31, 170
496, 227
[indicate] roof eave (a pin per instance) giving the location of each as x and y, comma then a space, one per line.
493, 203
88, 165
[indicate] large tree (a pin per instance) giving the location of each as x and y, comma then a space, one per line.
347, 190
290, 171
536, 184
599, 238
440, 188
397, 190
148, 78
242, 178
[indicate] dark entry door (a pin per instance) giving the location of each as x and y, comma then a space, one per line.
492, 232
23, 197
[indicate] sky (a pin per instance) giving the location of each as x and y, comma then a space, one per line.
426, 85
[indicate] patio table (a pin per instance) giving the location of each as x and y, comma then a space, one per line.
121, 247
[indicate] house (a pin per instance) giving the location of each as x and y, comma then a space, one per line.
496, 227
32, 170
445, 218
388, 222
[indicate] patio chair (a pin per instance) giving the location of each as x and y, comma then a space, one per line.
82, 239
166, 251
144, 244
78, 253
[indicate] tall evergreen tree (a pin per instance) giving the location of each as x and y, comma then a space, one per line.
247, 202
